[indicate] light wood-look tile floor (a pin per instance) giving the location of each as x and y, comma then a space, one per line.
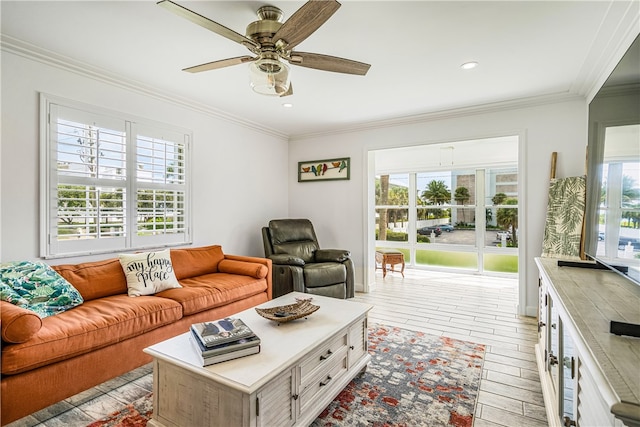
468, 307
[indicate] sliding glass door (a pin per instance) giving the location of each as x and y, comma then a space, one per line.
464, 219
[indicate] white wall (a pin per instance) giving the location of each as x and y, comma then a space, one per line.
339, 208
239, 173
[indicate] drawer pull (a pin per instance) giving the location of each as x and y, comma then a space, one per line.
351, 347
325, 357
325, 382
295, 397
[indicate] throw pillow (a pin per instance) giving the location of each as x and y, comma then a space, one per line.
37, 287
148, 272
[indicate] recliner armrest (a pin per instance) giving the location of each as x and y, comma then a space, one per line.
332, 255
286, 259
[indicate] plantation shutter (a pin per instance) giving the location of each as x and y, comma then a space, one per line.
87, 182
160, 186
110, 183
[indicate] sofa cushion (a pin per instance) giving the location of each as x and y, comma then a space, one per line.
93, 325
253, 269
213, 290
18, 324
37, 287
95, 279
192, 262
148, 273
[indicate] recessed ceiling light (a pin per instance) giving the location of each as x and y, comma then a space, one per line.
469, 65
287, 105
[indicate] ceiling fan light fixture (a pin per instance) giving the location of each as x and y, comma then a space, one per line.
269, 76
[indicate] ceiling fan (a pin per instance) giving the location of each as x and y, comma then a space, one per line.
272, 41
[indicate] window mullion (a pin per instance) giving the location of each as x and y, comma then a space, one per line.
50, 194
131, 221
481, 218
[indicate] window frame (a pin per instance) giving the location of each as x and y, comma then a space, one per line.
480, 186
50, 245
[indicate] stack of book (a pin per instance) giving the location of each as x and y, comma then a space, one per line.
223, 340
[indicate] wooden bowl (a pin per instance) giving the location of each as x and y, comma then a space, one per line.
287, 313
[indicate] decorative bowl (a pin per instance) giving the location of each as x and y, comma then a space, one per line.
286, 313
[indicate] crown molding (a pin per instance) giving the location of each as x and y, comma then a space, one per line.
27, 50
617, 31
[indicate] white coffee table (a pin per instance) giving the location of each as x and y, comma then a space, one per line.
301, 368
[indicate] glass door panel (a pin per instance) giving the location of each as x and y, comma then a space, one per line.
500, 263
461, 260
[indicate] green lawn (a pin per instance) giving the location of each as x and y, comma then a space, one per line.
501, 263
465, 260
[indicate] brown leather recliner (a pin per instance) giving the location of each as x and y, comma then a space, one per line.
300, 265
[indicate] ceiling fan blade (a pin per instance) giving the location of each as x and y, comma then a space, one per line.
305, 21
220, 64
207, 23
328, 63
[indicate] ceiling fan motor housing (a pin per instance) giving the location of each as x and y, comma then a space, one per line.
263, 30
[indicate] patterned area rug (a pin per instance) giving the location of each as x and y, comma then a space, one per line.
135, 414
414, 379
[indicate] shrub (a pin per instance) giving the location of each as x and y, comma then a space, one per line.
397, 236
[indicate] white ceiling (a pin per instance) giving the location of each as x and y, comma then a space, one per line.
415, 48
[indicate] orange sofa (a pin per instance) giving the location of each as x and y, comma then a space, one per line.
47, 360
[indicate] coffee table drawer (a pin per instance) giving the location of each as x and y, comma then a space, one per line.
323, 379
323, 356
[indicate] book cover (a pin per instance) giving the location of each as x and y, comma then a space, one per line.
221, 331
225, 347
223, 357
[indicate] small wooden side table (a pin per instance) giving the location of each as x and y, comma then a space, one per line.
389, 257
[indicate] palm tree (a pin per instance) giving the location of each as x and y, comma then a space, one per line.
398, 196
384, 200
507, 218
630, 193
436, 193
462, 195
499, 198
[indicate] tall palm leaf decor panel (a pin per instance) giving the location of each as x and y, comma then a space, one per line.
565, 216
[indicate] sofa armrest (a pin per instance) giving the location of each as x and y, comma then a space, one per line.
18, 324
264, 261
252, 269
286, 259
332, 255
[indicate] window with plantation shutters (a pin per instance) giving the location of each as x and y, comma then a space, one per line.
160, 171
110, 183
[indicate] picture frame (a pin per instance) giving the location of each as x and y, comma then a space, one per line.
324, 170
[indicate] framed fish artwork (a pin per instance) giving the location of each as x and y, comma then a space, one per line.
324, 170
